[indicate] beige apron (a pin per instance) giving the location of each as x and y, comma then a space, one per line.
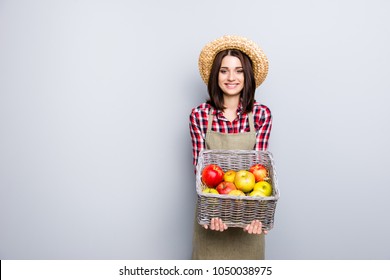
233, 243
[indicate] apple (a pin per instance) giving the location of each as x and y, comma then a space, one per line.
225, 187
256, 193
229, 176
237, 193
210, 190
264, 187
260, 172
212, 175
244, 180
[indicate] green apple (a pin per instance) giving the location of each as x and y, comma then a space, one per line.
264, 187
210, 190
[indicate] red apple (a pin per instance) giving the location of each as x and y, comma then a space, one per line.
225, 187
212, 175
260, 172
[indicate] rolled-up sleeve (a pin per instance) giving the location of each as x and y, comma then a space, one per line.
263, 128
197, 136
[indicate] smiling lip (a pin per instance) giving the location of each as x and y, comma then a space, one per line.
231, 85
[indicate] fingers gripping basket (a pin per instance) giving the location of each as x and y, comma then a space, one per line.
236, 211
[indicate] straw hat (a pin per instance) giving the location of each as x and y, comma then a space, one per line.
251, 49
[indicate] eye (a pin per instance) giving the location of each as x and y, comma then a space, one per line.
223, 71
240, 71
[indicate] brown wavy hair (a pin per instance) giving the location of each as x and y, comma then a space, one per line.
248, 92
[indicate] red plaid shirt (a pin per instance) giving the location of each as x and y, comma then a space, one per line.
199, 120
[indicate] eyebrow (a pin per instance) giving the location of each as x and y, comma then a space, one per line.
235, 67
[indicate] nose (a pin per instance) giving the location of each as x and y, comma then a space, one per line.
231, 76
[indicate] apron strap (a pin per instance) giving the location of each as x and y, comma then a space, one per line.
251, 122
210, 121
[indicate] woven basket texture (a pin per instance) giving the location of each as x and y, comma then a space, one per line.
236, 211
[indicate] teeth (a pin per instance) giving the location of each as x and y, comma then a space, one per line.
231, 85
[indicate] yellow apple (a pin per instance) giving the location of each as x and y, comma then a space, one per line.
210, 190
229, 176
236, 193
256, 193
264, 187
244, 181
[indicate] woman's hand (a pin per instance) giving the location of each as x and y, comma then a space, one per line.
216, 224
255, 227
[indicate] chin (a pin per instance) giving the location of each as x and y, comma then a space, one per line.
231, 92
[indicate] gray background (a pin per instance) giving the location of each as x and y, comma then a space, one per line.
95, 152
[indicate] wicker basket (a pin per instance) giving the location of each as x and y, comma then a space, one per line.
236, 211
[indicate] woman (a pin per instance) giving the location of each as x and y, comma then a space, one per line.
232, 67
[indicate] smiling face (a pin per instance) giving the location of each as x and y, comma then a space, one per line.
231, 79
231, 76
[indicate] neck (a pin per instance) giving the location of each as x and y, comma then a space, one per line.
231, 105
231, 102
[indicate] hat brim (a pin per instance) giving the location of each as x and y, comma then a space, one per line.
251, 49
